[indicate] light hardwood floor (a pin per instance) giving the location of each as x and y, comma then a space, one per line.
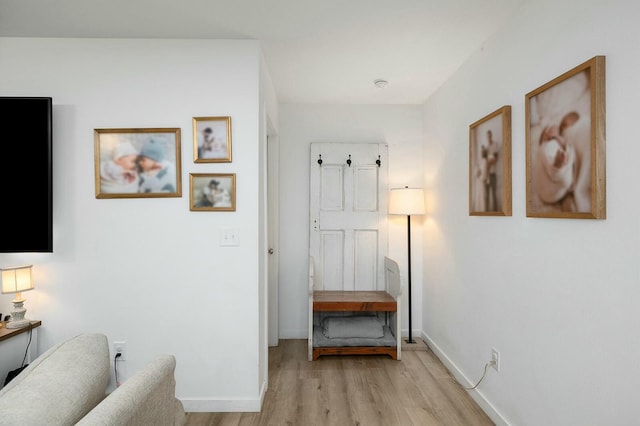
368, 390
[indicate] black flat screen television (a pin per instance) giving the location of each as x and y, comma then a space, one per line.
26, 174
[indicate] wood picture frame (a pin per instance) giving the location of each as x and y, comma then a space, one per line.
490, 164
565, 144
137, 163
212, 192
212, 139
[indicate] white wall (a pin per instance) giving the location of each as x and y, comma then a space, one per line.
267, 114
400, 127
557, 297
149, 271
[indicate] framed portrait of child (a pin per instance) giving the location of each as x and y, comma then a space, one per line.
137, 163
565, 145
212, 139
212, 192
490, 164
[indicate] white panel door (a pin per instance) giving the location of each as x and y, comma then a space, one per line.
348, 215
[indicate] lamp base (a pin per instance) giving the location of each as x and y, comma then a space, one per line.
17, 316
18, 323
410, 341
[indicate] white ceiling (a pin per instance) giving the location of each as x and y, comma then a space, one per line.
327, 51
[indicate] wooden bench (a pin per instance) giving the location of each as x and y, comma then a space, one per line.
385, 303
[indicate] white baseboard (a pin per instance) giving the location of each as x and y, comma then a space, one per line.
201, 405
476, 395
263, 391
293, 334
221, 405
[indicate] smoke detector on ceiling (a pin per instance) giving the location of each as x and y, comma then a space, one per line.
380, 83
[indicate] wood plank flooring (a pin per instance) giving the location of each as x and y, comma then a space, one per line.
369, 390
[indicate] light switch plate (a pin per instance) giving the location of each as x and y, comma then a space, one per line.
230, 237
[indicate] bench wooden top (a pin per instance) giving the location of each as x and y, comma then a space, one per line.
330, 300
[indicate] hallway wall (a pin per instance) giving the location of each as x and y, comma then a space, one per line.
557, 297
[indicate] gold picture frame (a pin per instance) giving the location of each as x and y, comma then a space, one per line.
212, 192
137, 163
211, 139
565, 144
490, 164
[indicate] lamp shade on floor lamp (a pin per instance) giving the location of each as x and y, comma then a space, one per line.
407, 201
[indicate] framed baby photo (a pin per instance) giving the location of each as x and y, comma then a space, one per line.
565, 144
212, 139
137, 163
212, 192
490, 164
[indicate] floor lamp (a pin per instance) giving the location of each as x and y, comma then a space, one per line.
407, 201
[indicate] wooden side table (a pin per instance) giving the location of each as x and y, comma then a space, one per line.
8, 333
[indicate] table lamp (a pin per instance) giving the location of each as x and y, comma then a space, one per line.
16, 280
407, 201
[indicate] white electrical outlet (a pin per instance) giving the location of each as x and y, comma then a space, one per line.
495, 358
120, 347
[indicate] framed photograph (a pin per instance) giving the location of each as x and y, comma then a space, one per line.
565, 145
137, 163
212, 192
490, 164
212, 139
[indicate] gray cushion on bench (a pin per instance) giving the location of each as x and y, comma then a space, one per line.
321, 341
354, 326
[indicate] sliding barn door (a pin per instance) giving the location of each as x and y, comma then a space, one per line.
348, 215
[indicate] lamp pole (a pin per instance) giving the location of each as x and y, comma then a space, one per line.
410, 339
407, 201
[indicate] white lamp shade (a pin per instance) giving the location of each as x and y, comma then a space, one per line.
406, 201
17, 279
